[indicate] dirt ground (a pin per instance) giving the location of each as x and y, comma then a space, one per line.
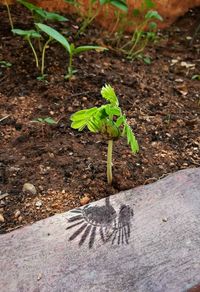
161, 101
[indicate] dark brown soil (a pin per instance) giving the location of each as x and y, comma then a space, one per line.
160, 100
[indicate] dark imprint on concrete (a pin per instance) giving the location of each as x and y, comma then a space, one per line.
102, 220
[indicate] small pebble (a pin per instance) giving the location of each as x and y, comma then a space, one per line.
164, 219
17, 213
38, 203
29, 188
2, 218
85, 200
20, 219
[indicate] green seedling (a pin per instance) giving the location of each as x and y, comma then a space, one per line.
45, 121
196, 77
146, 29
27, 35
93, 8
32, 34
70, 48
5, 64
107, 120
4, 2
48, 121
41, 15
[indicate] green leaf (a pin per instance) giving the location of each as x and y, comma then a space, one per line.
82, 49
83, 114
152, 25
28, 5
54, 16
147, 60
50, 121
112, 110
42, 13
152, 14
131, 139
120, 121
5, 64
26, 33
120, 4
196, 77
149, 4
55, 35
136, 12
89, 118
108, 93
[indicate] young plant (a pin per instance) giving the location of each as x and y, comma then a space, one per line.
107, 120
145, 31
93, 8
70, 48
28, 35
41, 15
5, 64
45, 121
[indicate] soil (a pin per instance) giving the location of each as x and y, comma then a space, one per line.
161, 101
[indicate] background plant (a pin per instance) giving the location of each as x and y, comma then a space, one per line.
70, 48
93, 9
32, 34
107, 120
145, 29
41, 15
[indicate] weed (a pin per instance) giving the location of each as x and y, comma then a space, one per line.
107, 120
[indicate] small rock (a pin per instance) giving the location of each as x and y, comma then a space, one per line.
2, 218
2, 203
70, 109
4, 196
38, 203
20, 219
85, 200
164, 219
39, 277
17, 213
29, 188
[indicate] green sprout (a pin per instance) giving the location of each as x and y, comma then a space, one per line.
41, 15
48, 121
107, 120
28, 35
93, 8
70, 48
5, 64
45, 121
145, 31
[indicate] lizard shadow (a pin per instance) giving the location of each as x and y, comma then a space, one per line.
103, 221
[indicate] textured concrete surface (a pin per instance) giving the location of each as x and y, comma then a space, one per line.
145, 239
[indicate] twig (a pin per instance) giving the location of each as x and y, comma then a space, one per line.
2, 119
